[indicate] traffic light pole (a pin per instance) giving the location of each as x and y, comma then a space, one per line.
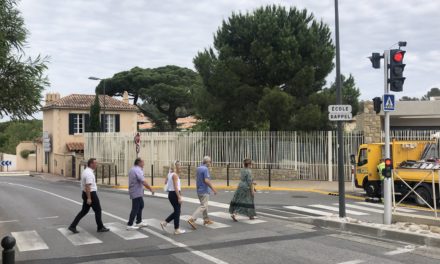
387, 181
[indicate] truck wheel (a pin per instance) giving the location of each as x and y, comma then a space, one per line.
425, 194
372, 189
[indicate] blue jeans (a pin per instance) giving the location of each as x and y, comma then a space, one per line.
137, 205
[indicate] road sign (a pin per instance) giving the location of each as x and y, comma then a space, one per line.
46, 142
339, 109
333, 116
6, 163
388, 102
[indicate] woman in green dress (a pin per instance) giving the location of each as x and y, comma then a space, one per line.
243, 200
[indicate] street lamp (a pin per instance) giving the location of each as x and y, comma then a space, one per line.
103, 83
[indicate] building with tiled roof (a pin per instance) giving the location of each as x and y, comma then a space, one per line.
66, 119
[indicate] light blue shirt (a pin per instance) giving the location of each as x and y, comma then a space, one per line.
136, 182
202, 174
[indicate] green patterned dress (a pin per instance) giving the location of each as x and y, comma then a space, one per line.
243, 200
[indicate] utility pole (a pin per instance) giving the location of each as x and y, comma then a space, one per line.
340, 131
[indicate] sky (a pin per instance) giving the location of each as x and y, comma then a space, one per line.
99, 38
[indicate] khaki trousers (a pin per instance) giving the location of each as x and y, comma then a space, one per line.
203, 208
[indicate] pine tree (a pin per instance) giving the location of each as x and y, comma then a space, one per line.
95, 124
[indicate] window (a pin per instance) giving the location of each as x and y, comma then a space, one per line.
78, 124
363, 157
109, 123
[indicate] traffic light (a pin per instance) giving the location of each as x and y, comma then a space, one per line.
375, 60
388, 168
377, 104
396, 68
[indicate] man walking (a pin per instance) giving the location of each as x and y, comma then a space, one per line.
90, 198
204, 187
136, 183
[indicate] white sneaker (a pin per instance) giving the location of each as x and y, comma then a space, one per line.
163, 225
142, 224
179, 231
132, 227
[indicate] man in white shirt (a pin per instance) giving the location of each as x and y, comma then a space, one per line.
90, 198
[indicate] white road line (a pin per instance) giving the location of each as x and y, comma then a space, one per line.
336, 209
286, 212
308, 210
382, 206
47, 217
199, 222
8, 221
240, 218
195, 201
168, 239
398, 251
29, 241
121, 231
356, 261
82, 238
363, 208
273, 215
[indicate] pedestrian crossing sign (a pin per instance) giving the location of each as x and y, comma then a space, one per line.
388, 102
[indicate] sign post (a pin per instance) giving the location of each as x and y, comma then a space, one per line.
388, 105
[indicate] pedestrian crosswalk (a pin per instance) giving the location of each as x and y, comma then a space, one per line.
353, 209
32, 240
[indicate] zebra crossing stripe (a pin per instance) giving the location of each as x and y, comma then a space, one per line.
363, 208
29, 241
240, 218
336, 209
121, 231
199, 222
308, 210
382, 206
82, 238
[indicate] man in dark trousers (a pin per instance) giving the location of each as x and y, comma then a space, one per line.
90, 198
136, 183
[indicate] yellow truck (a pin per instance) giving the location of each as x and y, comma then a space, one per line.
413, 162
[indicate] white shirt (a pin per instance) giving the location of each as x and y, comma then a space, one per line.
170, 182
88, 177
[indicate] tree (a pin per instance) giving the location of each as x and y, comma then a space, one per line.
165, 92
12, 132
431, 93
22, 78
95, 109
260, 63
408, 98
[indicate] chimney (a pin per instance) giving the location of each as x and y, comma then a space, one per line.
52, 97
125, 97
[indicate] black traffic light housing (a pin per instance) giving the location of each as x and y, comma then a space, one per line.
375, 59
388, 171
396, 68
377, 104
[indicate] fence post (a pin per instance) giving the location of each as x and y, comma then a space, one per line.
270, 176
189, 174
152, 175
79, 171
109, 173
330, 155
8, 253
116, 174
102, 171
227, 175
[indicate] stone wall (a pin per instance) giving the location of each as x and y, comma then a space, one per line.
369, 122
220, 173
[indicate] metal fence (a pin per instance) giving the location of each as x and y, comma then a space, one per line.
313, 155
412, 134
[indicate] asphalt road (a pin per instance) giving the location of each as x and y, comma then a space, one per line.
37, 212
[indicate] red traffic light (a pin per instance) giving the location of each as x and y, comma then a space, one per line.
398, 56
388, 162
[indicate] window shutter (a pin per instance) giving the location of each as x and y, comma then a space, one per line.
87, 123
71, 123
102, 123
117, 123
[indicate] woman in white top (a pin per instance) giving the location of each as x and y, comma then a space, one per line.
174, 196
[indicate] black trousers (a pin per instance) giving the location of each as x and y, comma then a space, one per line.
137, 205
96, 206
172, 196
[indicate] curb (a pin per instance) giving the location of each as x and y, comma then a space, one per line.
403, 236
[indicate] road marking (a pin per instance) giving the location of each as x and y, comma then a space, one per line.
356, 261
29, 241
82, 238
336, 209
286, 212
308, 210
170, 240
398, 251
8, 221
365, 240
240, 218
47, 217
199, 222
382, 206
121, 230
195, 201
273, 215
363, 208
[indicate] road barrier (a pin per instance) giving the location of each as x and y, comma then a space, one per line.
8, 253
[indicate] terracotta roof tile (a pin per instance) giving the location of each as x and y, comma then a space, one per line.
84, 101
75, 146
